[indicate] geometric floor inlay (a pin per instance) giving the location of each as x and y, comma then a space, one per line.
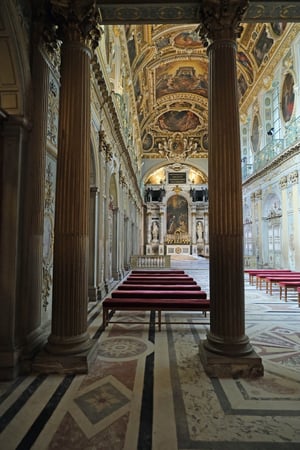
97, 406
123, 348
101, 401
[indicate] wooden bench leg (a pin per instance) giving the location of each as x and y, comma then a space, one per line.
103, 315
280, 292
299, 299
285, 293
159, 319
104, 310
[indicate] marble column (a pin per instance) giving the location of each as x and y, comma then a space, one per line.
115, 242
34, 189
252, 259
161, 224
284, 224
226, 350
93, 243
13, 136
294, 231
70, 348
149, 223
101, 243
193, 227
260, 252
126, 243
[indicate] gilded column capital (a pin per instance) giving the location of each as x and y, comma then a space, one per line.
77, 21
221, 20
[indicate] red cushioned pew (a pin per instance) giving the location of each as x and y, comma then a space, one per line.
261, 277
284, 285
275, 279
160, 281
155, 294
157, 272
162, 287
156, 291
145, 304
253, 272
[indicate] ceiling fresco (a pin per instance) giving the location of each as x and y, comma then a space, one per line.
170, 74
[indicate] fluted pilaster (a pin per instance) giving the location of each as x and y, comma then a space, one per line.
93, 243
33, 226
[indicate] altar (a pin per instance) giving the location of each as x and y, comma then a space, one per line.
178, 249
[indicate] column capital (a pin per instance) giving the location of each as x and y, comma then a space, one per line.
258, 194
77, 21
220, 20
283, 182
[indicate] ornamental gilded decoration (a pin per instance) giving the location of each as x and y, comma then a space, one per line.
77, 21
221, 20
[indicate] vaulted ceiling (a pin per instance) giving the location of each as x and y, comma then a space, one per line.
170, 75
170, 67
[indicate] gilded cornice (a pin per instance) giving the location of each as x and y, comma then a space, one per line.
170, 11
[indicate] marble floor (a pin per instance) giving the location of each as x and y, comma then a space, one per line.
148, 390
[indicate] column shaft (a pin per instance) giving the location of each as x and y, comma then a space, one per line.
33, 226
93, 243
227, 350
227, 334
70, 275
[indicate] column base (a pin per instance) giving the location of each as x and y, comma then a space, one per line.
92, 293
76, 363
220, 366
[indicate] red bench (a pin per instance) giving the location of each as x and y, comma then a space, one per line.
263, 275
253, 272
152, 304
155, 294
157, 272
159, 277
270, 279
160, 281
288, 284
161, 287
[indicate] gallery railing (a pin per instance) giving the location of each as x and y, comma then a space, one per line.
273, 149
150, 262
